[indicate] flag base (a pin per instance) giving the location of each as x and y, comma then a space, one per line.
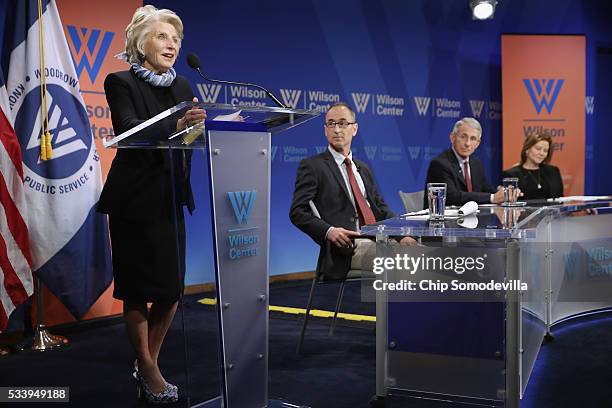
43, 340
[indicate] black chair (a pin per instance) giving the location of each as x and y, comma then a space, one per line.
354, 275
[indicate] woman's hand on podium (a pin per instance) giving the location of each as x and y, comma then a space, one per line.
191, 117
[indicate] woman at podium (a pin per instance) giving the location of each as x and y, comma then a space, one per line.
537, 178
144, 220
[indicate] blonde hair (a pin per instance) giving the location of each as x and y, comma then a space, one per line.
140, 27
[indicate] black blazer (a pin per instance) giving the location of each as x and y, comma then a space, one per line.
138, 183
549, 178
445, 168
319, 179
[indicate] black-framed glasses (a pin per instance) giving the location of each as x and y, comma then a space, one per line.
343, 123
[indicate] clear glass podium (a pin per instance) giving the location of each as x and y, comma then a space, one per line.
480, 347
237, 143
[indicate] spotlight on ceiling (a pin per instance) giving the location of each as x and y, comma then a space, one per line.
483, 9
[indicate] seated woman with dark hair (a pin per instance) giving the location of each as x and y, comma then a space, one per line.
537, 178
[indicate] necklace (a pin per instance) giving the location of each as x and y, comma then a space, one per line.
538, 181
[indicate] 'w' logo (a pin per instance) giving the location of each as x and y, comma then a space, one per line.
321, 149
543, 92
209, 92
242, 203
476, 106
291, 97
422, 104
361, 101
64, 138
590, 104
274, 150
573, 263
414, 152
370, 151
89, 48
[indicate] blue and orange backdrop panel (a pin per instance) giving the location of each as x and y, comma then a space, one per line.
411, 69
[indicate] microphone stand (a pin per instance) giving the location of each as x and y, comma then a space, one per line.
220, 81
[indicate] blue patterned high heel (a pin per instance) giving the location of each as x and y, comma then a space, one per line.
166, 396
135, 375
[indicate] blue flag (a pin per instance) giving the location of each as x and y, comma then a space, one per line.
68, 239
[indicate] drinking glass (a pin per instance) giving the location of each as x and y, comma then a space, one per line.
436, 197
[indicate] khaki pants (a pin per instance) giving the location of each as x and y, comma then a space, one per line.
365, 252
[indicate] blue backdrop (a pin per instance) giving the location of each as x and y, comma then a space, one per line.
411, 68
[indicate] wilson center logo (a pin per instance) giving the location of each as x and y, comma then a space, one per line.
543, 92
476, 106
89, 48
589, 104
370, 151
422, 104
209, 92
414, 151
243, 241
242, 204
274, 151
291, 97
361, 101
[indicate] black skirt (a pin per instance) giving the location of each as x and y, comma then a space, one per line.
148, 262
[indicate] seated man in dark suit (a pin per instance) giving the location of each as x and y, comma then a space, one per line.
464, 176
343, 191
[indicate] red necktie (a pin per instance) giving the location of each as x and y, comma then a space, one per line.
366, 216
466, 173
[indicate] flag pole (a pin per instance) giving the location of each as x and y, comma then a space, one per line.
42, 339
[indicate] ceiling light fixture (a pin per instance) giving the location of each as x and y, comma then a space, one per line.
483, 9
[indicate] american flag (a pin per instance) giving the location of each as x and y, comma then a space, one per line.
15, 255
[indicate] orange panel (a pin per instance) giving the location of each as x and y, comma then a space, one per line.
95, 32
543, 91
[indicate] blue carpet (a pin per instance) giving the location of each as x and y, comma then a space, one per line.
573, 371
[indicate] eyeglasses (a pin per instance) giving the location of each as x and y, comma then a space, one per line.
343, 123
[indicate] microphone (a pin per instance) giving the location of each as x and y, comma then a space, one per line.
194, 62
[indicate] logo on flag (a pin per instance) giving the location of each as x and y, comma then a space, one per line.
422, 104
70, 139
242, 204
476, 106
291, 97
209, 92
361, 101
543, 92
70, 244
90, 48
